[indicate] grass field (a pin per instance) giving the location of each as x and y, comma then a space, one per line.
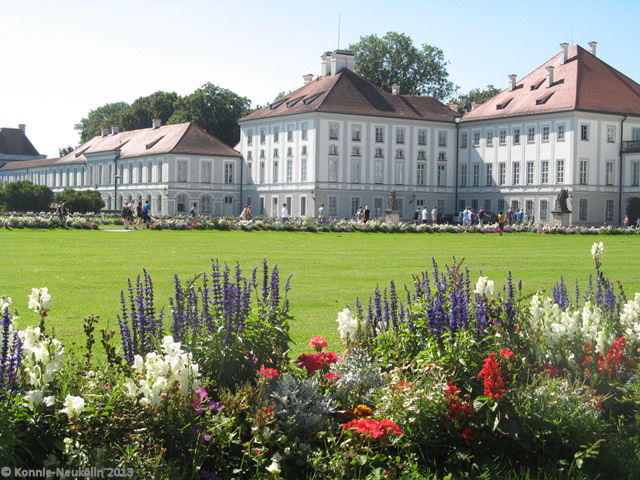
85, 270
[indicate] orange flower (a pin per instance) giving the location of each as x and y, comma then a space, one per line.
318, 343
362, 411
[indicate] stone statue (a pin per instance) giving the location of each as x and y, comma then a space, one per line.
391, 203
561, 201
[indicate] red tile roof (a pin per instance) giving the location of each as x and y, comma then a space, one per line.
348, 93
584, 83
13, 141
182, 138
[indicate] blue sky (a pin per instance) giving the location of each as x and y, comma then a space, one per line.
62, 59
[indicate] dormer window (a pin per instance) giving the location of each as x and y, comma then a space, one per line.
310, 99
536, 85
275, 105
291, 103
542, 100
152, 143
503, 105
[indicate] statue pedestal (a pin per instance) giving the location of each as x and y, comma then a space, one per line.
392, 216
560, 218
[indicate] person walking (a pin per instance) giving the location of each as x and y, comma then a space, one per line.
434, 214
285, 213
126, 216
193, 211
626, 221
146, 214
501, 222
321, 213
367, 214
425, 215
520, 215
481, 216
416, 216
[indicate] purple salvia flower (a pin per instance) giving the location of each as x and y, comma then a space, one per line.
560, 296
275, 290
265, 281
370, 319
482, 316
377, 304
394, 304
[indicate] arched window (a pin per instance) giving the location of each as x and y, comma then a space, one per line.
205, 205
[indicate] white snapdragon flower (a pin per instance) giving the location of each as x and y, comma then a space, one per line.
597, 249
274, 468
40, 299
5, 302
49, 401
484, 287
42, 357
74, 406
347, 325
34, 396
630, 318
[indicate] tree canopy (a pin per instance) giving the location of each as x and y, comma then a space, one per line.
477, 95
22, 196
393, 59
212, 108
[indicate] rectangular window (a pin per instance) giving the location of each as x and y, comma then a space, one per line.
355, 170
462, 204
228, 173
545, 133
515, 204
379, 134
503, 173
333, 150
399, 173
544, 172
421, 173
274, 173
250, 172
463, 140
262, 136
560, 133
635, 134
442, 138
584, 132
516, 136
205, 173
544, 210
582, 211
289, 170
289, 133
355, 204
609, 172
487, 205
476, 174
635, 177
400, 135
275, 153
276, 134
583, 172
356, 132
183, 166
442, 156
608, 210
531, 134
474, 205
422, 137
377, 206
502, 138
378, 171
355, 151
303, 206
290, 151
399, 153
560, 171
476, 139
529, 173
442, 175
333, 207
303, 150
528, 208
262, 211
379, 153
501, 205
249, 137
261, 172
333, 169
304, 131
463, 175
303, 169
611, 134
489, 138
333, 130
422, 155
489, 172
516, 173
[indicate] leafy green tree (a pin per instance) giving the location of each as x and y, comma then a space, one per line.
24, 196
214, 109
477, 95
101, 117
65, 151
394, 59
81, 201
139, 115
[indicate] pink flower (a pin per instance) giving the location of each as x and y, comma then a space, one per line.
269, 372
506, 353
317, 343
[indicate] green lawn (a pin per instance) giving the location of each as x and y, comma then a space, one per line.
85, 270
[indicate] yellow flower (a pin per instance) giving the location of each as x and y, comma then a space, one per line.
362, 411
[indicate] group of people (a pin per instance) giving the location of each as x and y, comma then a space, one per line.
362, 215
247, 213
627, 221
62, 211
421, 215
140, 214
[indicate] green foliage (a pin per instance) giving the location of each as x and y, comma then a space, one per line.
81, 201
477, 95
62, 151
144, 109
394, 59
24, 196
633, 208
101, 117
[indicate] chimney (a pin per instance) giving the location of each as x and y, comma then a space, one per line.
454, 107
308, 78
104, 132
156, 123
341, 59
395, 89
549, 76
512, 82
115, 129
22, 127
325, 69
565, 52
592, 48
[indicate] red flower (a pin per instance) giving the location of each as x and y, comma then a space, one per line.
492, 377
367, 427
317, 343
316, 361
459, 410
269, 372
550, 370
506, 353
467, 435
614, 359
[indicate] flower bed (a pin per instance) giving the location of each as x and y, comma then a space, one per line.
450, 377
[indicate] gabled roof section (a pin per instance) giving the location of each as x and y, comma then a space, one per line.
348, 93
13, 141
584, 83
